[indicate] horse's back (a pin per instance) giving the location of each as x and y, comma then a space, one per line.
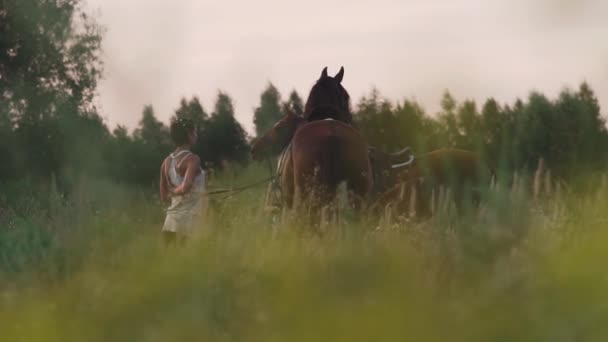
454, 164
328, 127
328, 152
332, 137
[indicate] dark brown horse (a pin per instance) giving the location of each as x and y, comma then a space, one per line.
327, 100
460, 171
319, 154
279, 136
322, 155
384, 176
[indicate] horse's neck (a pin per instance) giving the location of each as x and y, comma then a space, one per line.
300, 121
322, 112
283, 143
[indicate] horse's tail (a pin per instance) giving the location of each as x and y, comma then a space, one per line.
330, 170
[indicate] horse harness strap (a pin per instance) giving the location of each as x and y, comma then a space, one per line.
286, 153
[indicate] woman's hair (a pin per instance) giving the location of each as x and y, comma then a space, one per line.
180, 130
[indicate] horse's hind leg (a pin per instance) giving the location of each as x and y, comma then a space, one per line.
306, 200
288, 185
359, 187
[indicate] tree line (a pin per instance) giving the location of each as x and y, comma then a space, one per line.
49, 125
568, 132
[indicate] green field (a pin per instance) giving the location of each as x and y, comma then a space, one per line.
92, 268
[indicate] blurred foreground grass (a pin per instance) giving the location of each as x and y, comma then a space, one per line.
91, 268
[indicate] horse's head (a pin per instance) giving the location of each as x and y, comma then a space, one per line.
328, 99
390, 167
278, 136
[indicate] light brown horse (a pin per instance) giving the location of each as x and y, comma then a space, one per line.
277, 137
460, 171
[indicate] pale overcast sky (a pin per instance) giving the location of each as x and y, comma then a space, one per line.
156, 52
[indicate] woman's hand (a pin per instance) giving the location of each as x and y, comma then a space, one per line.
172, 192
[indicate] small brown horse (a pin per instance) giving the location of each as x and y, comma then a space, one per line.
385, 166
322, 155
279, 136
461, 171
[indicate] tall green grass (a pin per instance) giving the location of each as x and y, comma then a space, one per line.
92, 268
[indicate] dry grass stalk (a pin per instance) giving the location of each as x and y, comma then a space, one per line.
515, 184
413, 198
548, 185
433, 206
538, 177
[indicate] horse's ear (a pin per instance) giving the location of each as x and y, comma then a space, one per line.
324, 72
340, 75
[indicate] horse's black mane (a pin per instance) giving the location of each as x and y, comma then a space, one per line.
328, 100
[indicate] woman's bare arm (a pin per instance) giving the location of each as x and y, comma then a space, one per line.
164, 186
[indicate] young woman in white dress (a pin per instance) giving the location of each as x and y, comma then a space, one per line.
182, 184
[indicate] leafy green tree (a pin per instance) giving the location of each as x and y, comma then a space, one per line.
151, 146
493, 135
121, 157
536, 131
9, 167
295, 103
193, 110
580, 130
412, 130
448, 122
151, 131
374, 117
49, 68
225, 137
269, 111
468, 123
